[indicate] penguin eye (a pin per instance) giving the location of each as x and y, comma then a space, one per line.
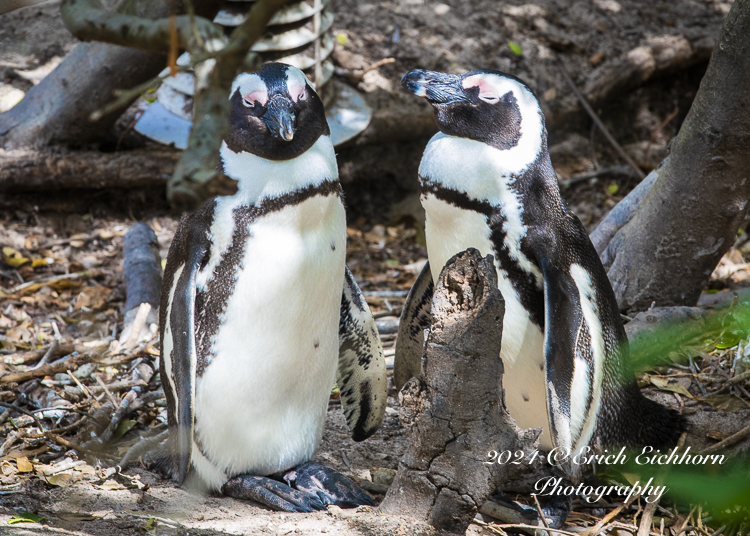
303, 95
248, 103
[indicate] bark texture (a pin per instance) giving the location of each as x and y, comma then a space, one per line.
689, 218
455, 411
23, 171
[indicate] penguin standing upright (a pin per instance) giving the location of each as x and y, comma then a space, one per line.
486, 181
259, 314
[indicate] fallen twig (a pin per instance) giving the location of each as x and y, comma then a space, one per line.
24, 411
541, 514
71, 363
615, 170
53, 348
101, 384
729, 441
644, 529
33, 355
33, 285
594, 531
599, 123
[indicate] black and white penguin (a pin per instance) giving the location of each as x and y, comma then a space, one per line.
486, 181
259, 314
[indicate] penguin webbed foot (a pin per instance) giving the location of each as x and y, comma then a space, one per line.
273, 494
328, 485
555, 511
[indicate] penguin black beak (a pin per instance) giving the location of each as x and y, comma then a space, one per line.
437, 88
280, 118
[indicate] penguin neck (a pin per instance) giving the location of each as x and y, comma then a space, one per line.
483, 172
260, 179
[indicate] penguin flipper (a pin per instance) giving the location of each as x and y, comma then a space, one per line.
415, 318
361, 369
184, 357
575, 347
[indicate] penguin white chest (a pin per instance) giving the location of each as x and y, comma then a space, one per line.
450, 230
261, 403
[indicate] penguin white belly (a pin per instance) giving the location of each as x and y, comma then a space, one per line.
262, 402
450, 230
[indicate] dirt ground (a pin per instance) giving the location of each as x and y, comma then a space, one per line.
82, 232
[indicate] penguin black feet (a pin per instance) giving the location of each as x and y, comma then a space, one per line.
328, 485
308, 487
275, 495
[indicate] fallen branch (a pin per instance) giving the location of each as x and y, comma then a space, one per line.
23, 171
89, 21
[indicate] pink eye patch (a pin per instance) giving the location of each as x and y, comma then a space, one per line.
258, 95
296, 90
487, 92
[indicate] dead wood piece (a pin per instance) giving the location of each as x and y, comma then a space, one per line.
71, 363
141, 268
455, 409
729, 441
658, 56
42, 171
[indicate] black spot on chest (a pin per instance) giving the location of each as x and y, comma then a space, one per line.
530, 294
211, 303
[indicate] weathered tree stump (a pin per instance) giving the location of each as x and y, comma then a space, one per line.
455, 411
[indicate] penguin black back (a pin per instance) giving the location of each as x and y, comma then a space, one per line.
486, 181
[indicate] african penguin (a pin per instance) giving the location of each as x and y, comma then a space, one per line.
486, 181
259, 314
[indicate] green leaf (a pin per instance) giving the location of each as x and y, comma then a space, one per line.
515, 48
150, 526
124, 428
728, 340
342, 39
27, 517
612, 189
392, 262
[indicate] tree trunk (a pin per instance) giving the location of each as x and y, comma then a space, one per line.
689, 218
57, 110
454, 411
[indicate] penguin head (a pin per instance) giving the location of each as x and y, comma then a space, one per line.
482, 105
274, 113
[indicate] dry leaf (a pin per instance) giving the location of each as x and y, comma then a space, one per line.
8, 468
726, 402
93, 297
664, 384
59, 479
13, 258
24, 465
111, 485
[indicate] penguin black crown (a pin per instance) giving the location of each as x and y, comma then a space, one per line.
486, 181
259, 314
